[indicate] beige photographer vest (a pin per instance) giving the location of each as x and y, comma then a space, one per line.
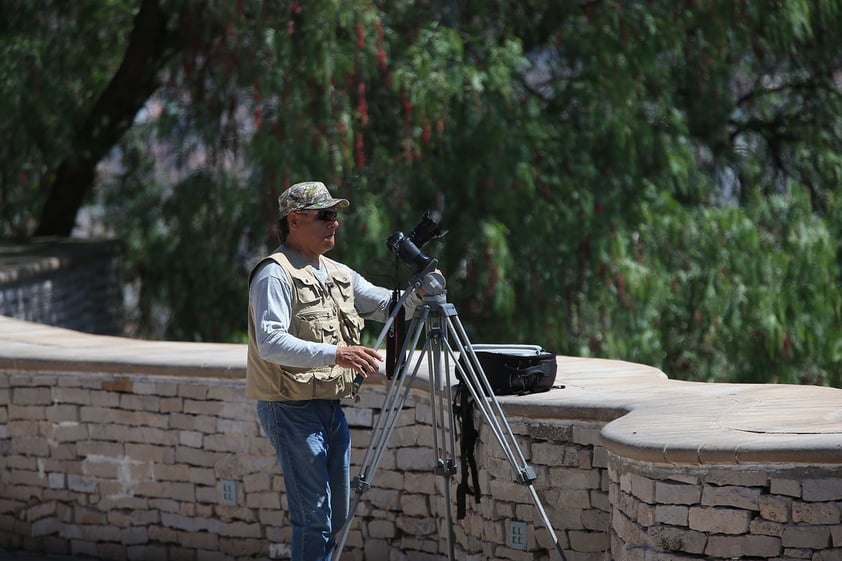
323, 314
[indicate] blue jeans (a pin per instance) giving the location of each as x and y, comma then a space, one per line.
313, 445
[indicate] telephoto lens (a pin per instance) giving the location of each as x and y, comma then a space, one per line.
426, 230
407, 251
408, 247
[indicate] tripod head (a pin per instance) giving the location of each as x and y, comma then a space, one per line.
433, 284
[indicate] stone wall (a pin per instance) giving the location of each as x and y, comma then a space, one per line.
63, 282
766, 512
133, 450
139, 467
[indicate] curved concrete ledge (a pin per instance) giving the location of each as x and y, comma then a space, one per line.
33, 346
649, 417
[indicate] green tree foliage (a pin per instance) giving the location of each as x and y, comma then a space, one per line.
654, 181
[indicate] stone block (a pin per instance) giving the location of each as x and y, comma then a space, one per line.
628, 531
16, 412
193, 391
266, 500
815, 537
107, 468
570, 478
147, 552
148, 387
668, 538
28, 428
195, 457
140, 402
386, 499
55, 480
743, 546
81, 484
645, 514
199, 540
643, 488
359, 417
594, 519
60, 413
828, 555
815, 513
673, 493
150, 453
415, 459
381, 529
416, 526
738, 477
588, 435
588, 541
821, 489
600, 457
719, 520
39, 511
674, 515
242, 530
69, 432
234, 443
730, 495
774, 508
599, 499
835, 533
104, 399
134, 535
762, 527
30, 446
71, 396
236, 410
31, 396
208, 408
171, 404
547, 453
415, 505
117, 385
235, 426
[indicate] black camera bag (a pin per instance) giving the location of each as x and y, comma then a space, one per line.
510, 370
515, 369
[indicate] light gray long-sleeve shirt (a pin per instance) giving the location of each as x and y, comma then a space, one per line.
271, 299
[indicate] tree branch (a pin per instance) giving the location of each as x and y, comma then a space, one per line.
150, 45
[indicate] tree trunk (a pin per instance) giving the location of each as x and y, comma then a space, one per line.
150, 45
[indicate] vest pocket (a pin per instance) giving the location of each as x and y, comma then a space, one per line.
343, 283
328, 382
351, 326
319, 326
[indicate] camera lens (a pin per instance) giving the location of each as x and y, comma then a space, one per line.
407, 247
427, 229
407, 251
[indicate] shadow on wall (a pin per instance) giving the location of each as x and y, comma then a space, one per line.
70, 283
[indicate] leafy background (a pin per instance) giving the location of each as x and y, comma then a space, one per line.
650, 181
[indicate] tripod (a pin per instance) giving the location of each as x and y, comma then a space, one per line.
440, 322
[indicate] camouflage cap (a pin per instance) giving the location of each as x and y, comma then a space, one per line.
306, 196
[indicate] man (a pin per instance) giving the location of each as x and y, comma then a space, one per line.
305, 317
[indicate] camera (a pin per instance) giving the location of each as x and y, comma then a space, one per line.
408, 248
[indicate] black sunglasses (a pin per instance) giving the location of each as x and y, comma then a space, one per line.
326, 215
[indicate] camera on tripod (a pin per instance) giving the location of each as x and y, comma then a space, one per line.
408, 248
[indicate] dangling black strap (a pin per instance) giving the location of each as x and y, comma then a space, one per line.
463, 407
395, 337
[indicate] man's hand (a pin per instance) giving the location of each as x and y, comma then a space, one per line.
361, 359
